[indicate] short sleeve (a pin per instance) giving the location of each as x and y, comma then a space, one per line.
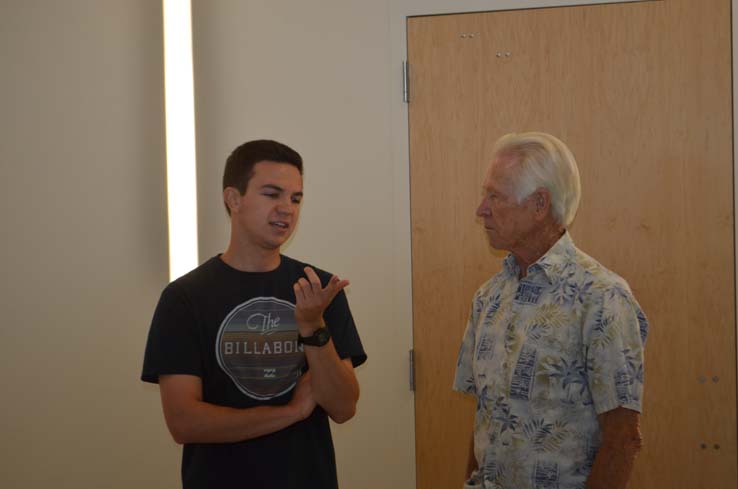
614, 335
341, 324
464, 378
173, 343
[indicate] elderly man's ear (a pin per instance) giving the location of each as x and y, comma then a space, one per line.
541, 202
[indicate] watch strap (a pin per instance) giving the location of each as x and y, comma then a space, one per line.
320, 337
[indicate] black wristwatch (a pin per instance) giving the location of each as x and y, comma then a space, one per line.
320, 337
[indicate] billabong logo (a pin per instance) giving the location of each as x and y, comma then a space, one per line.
264, 323
257, 347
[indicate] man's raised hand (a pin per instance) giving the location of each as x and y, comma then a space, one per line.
313, 299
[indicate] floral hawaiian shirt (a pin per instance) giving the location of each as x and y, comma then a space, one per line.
544, 355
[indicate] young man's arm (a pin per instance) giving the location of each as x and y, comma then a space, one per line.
621, 442
191, 420
334, 383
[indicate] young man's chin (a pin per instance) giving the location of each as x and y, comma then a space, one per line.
277, 243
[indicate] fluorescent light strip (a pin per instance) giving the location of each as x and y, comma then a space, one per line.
180, 127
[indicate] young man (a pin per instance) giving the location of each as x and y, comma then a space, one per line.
253, 350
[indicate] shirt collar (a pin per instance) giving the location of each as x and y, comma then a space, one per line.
555, 258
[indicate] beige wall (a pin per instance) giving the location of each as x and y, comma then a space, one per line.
84, 218
320, 80
84, 242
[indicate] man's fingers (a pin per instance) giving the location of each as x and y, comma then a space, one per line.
314, 279
299, 292
335, 285
311, 288
304, 284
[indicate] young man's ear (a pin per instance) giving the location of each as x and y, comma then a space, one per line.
232, 198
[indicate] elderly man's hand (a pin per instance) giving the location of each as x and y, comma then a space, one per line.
620, 444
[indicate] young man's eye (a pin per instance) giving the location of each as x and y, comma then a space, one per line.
296, 200
271, 195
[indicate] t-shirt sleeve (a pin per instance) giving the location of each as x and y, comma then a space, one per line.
614, 335
341, 324
172, 346
464, 378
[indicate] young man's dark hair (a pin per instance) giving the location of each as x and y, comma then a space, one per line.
239, 166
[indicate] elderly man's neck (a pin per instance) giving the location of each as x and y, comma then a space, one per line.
537, 244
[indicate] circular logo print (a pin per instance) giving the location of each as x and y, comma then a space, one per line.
257, 347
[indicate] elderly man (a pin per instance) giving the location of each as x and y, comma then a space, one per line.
553, 349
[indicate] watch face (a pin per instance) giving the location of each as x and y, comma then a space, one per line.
322, 336
318, 338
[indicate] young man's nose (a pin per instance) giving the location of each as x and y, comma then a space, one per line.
286, 207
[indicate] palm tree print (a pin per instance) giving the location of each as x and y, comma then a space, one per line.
570, 374
543, 436
580, 293
562, 289
502, 415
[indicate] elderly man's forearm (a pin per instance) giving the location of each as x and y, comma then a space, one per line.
613, 465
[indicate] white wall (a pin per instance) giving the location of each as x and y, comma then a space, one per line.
318, 77
83, 243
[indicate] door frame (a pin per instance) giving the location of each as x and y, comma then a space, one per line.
399, 12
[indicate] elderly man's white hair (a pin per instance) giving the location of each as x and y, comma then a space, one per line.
543, 161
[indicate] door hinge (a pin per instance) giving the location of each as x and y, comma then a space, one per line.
411, 362
405, 82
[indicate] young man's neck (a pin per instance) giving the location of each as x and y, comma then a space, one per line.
249, 260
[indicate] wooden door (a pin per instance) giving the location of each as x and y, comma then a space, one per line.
641, 93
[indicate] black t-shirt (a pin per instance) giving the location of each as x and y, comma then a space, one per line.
237, 331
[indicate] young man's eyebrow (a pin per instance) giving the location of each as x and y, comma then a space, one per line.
271, 186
